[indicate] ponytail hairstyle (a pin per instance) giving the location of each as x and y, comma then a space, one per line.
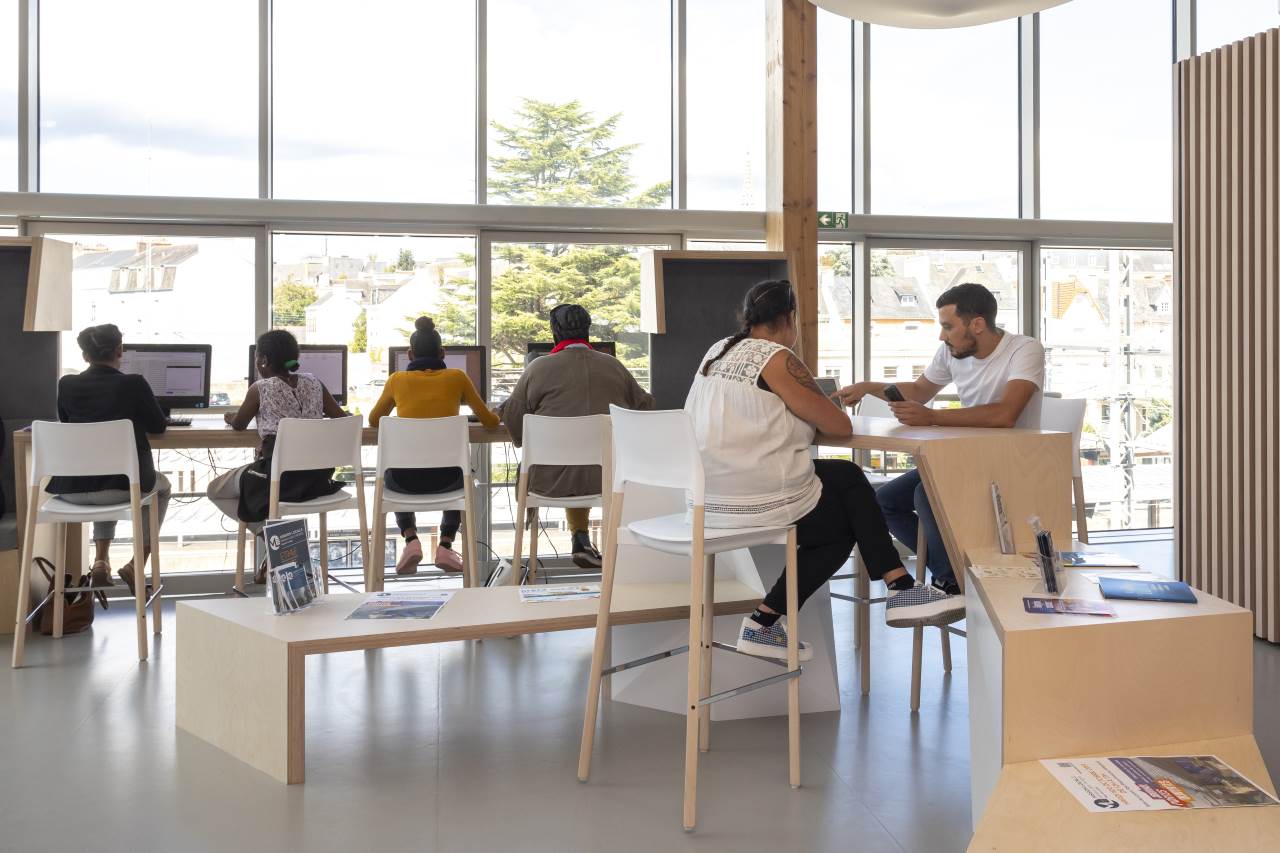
766, 304
425, 342
278, 349
99, 343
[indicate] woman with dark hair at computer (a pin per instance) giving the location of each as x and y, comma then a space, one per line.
428, 389
99, 393
282, 392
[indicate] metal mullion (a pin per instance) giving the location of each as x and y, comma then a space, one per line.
1029, 116
1184, 29
679, 106
28, 95
266, 94
862, 157
482, 103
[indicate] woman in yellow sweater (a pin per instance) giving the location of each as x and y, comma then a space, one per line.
428, 389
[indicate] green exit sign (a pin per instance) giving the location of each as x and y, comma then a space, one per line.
834, 219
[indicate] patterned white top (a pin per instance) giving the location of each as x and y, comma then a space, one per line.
755, 452
276, 400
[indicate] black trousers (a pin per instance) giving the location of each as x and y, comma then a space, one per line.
426, 481
846, 514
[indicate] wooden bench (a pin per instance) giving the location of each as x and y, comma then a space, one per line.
241, 669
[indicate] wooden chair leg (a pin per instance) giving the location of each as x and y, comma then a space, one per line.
922, 556
856, 561
598, 650
59, 578
324, 550
139, 578
697, 568
793, 661
533, 544
862, 586
517, 567
472, 564
24, 578
946, 649
367, 559
917, 650
241, 535
376, 563
708, 628
154, 523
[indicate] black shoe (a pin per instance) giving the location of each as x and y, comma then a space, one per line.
585, 555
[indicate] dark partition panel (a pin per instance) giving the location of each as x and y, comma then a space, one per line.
701, 298
28, 362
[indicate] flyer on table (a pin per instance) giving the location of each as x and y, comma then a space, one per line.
1156, 783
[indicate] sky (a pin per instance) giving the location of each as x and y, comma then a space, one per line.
375, 100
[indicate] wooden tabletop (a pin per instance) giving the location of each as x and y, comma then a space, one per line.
888, 434
213, 432
471, 614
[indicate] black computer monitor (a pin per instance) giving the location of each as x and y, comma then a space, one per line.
326, 362
534, 349
471, 359
177, 373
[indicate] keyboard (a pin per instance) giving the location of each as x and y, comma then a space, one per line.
177, 422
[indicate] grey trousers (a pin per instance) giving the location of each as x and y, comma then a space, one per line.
224, 493
107, 529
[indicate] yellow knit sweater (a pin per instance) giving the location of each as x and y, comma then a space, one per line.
430, 394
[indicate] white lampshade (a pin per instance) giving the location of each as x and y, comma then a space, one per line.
934, 13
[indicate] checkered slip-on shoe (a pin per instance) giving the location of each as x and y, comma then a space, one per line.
922, 605
755, 639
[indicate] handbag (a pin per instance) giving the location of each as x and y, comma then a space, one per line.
295, 486
77, 612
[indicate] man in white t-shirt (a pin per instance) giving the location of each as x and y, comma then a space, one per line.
999, 377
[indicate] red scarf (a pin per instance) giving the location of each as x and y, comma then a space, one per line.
568, 342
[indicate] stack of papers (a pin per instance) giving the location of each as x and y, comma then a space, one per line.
559, 592
1095, 559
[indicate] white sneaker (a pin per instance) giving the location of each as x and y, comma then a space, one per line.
922, 605
755, 639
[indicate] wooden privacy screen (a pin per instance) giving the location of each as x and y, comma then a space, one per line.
1227, 212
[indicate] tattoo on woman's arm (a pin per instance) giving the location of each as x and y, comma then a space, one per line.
801, 374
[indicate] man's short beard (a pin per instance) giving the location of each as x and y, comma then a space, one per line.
971, 351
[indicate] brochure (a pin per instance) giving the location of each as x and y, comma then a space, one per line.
1095, 560
418, 604
1155, 783
293, 582
559, 592
1165, 590
1075, 606
1026, 573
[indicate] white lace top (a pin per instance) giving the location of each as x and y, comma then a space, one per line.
276, 400
755, 452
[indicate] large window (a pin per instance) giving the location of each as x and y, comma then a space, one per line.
8, 96
1220, 22
374, 101
1107, 325
580, 103
149, 98
1105, 116
835, 112
366, 290
725, 104
944, 121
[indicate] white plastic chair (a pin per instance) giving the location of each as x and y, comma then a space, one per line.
1067, 415
75, 450
557, 441
659, 449
303, 444
424, 443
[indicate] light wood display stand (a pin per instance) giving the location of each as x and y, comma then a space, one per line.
241, 670
1158, 678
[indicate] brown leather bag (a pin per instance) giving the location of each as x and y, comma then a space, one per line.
77, 614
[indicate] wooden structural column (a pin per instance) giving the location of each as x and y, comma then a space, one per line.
1227, 281
791, 154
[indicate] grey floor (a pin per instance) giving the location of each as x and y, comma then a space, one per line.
473, 746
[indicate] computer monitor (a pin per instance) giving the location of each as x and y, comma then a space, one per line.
471, 359
326, 362
534, 349
177, 373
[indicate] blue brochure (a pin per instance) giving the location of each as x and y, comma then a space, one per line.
1146, 590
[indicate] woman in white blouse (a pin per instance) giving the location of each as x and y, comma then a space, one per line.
755, 410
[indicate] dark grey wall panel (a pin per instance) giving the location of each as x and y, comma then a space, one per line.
701, 299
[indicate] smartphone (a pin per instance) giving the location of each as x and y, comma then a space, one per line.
893, 395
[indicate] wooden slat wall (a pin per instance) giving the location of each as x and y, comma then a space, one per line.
1227, 281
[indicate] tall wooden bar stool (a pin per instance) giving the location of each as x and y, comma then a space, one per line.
84, 450
557, 441
304, 444
659, 449
424, 443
